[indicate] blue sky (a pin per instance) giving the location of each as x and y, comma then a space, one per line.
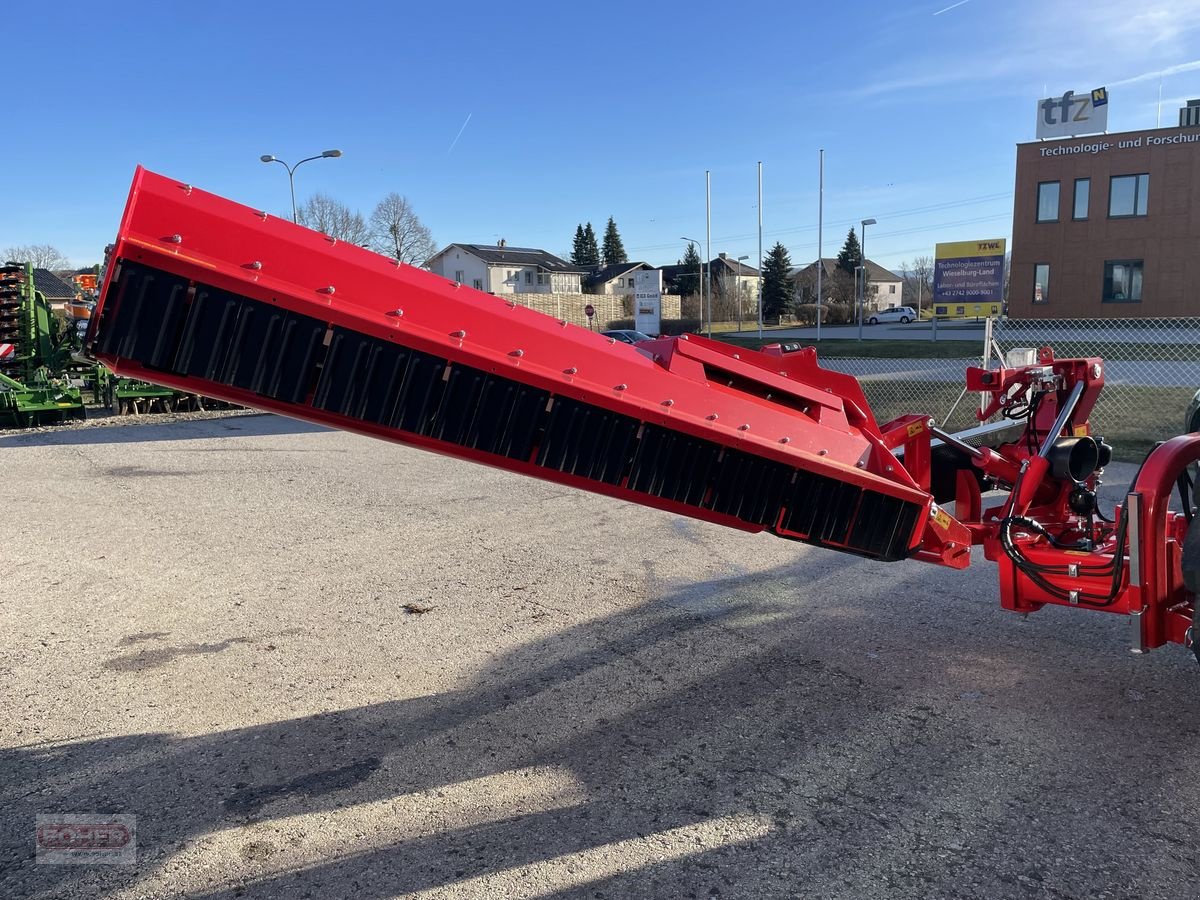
576, 112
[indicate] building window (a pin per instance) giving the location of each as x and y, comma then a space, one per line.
541, 278
529, 278
1083, 188
1127, 195
1041, 283
458, 275
479, 284
891, 289
1123, 281
1047, 207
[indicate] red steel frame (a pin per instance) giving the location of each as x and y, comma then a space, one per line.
775, 404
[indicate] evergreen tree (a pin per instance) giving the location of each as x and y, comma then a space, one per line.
591, 251
851, 256
614, 250
777, 292
688, 282
578, 247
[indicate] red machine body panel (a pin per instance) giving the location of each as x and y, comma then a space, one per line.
751, 421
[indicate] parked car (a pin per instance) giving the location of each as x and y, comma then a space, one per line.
627, 336
901, 314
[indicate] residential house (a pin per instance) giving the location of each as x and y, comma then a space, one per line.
734, 278
884, 288
501, 269
672, 277
616, 279
58, 292
724, 273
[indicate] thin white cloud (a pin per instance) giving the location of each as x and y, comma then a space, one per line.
1177, 69
1149, 39
460, 131
940, 76
951, 6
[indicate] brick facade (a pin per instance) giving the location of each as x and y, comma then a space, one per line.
1166, 240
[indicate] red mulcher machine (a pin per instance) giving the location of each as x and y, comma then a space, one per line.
207, 296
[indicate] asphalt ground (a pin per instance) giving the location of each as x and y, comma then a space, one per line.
316, 665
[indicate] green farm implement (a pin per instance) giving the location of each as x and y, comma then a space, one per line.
34, 347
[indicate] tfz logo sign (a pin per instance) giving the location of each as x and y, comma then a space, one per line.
1073, 114
990, 245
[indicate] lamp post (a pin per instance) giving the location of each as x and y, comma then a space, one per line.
862, 295
699, 272
291, 170
760, 265
737, 290
708, 239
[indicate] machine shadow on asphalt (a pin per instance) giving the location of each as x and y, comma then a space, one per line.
811, 722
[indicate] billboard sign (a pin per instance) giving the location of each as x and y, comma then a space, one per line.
1073, 114
969, 272
647, 301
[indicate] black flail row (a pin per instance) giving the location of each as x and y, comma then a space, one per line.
171, 324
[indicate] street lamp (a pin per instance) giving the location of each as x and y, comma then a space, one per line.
862, 296
737, 290
699, 272
291, 170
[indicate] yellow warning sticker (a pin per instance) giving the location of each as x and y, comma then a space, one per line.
915, 428
942, 519
1080, 431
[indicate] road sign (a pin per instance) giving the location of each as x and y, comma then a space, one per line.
589, 310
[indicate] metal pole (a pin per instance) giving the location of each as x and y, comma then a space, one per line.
737, 289
760, 264
987, 359
708, 239
291, 170
699, 273
862, 283
858, 295
737, 297
292, 184
820, 223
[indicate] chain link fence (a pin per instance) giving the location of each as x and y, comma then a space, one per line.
1152, 371
898, 386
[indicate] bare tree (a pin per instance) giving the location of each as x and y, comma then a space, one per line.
836, 287
918, 282
725, 298
397, 232
332, 217
42, 256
